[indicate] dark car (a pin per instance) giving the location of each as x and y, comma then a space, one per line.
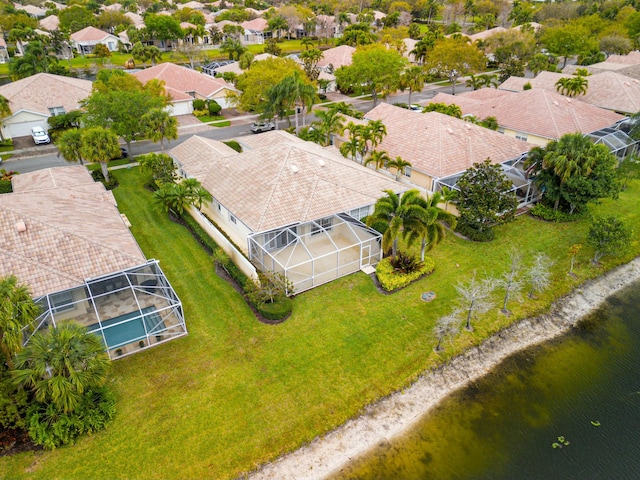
259, 127
123, 154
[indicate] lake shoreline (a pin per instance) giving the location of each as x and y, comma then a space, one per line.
395, 414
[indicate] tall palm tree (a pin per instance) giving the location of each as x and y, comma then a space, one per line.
570, 155
196, 194
233, 48
158, 125
350, 148
277, 24
489, 80
412, 79
428, 226
375, 133
330, 122
61, 364
390, 215
100, 145
69, 145
17, 310
474, 82
292, 92
379, 158
572, 86
422, 48
400, 165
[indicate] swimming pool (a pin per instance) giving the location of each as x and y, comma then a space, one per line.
118, 331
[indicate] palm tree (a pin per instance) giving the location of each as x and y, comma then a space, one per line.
330, 122
17, 310
233, 48
100, 145
376, 131
390, 215
277, 24
154, 53
412, 79
569, 156
69, 145
245, 60
488, 80
379, 158
448, 195
474, 82
572, 86
400, 165
158, 125
61, 364
428, 227
307, 43
196, 194
294, 92
350, 148
422, 48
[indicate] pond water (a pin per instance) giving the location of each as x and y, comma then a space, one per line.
584, 386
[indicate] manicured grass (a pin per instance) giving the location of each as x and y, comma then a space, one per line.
236, 393
216, 121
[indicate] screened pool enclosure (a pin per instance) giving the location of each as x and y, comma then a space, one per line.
316, 252
129, 310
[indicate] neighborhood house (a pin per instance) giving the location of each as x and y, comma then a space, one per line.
84, 267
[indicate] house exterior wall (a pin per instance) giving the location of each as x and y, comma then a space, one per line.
19, 125
110, 42
181, 108
238, 232
221, 98
527, 137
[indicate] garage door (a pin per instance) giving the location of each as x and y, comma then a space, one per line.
23, 129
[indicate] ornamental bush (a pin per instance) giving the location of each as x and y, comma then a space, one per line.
550, 215
199, 104
278, 310
214, 108
391, 279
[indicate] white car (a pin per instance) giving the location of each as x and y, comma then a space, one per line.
39, 135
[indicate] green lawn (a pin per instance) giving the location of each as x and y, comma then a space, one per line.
236, 393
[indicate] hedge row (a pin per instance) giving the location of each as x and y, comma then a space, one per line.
550, 215
392, 280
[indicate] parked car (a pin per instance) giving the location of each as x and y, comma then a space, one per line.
39, 135
123, 153
415, 107
259, 127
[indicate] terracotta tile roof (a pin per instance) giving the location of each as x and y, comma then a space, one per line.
268, 139
189, 154
32, 10
486, 33
72, 232
440, 145
51, 23
41, 91
114, 7
539, 112
338, 57
257, 24
89, 34
608, 90
184, 79
52, 178
135, 18
235, 66
193, 4
284, 183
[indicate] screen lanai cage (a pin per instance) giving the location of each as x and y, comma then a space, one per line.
514, 170
617, 141
316, 252
129, 310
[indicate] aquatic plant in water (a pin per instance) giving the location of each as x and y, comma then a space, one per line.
560, 443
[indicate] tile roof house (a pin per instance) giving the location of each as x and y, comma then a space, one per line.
50, 23
36, 98
536, 116
255, 31
234, 67
292, 206
608, 90
336, 57
85, 40
188, 82
440, 147
86, 266
32, 10
628, 65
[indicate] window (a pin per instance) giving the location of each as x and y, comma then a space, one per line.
522, 136
319, 225
500, 129
359, 213
407, 171
232, 219
61, 302
57, 111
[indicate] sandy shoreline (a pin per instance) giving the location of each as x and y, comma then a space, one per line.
395, 414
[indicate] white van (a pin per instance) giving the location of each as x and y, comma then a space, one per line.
39, 135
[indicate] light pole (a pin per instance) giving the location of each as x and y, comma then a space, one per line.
453, 75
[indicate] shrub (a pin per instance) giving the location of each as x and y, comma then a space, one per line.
198, 232
214, 108
231, 268
13, 403
404, 263
5, 186
99, 177
278, 310
233, 144
200, 113
527, 86
199, 104
550, 215
474, 234
51, 428
392, 280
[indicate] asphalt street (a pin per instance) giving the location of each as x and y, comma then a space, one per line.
45, 156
